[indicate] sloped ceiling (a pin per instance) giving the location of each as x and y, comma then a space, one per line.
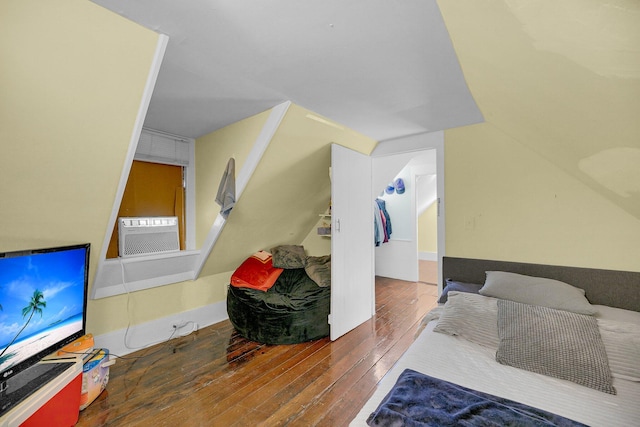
384, 69
562, 79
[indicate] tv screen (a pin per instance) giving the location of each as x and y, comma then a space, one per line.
43, 299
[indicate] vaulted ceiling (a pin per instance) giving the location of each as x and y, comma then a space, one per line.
384, 69
561, 78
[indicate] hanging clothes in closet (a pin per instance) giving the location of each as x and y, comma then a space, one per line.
382, 222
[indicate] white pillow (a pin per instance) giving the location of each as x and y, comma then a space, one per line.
536, 291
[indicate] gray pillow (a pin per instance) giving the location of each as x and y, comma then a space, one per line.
472, 317
318, 268
536, 291
289, 256
454, 285
551, 342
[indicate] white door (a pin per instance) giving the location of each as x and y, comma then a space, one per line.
352, 245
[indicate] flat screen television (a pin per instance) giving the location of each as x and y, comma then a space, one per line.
43, 301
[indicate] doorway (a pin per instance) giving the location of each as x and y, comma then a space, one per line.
400, 258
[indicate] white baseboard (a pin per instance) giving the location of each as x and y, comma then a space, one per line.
138, 337
428, 256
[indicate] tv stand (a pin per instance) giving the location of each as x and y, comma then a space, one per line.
55, 401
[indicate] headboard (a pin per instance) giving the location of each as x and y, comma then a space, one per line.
605, 287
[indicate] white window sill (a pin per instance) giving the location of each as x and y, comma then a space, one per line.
123, 275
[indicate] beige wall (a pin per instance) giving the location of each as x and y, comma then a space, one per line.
317, 245
289, 188
506, 202
428, 229
119, 312
71, 79
213, 151
212, 154
71, 88
558, 84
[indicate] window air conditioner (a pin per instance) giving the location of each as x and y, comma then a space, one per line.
147, 235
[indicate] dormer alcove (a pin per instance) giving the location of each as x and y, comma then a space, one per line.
282, 157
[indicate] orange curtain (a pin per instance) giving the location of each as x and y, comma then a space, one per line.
153, 189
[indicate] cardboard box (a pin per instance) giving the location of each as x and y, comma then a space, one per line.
324, 231
95, 376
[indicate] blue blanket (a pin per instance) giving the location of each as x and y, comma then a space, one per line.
420, 400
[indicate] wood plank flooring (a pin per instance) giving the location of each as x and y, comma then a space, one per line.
214, 377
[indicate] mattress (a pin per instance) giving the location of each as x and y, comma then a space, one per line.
457, 360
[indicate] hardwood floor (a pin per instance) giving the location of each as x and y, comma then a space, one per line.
214, 377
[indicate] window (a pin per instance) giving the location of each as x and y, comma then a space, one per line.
153, 189
160, 183
156, 154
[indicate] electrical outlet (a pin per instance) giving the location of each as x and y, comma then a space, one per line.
180, 324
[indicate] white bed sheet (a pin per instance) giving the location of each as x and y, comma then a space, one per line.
470, 365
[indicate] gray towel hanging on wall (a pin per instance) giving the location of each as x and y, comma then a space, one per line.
226, 196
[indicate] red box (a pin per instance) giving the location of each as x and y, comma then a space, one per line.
61, 410
55, 404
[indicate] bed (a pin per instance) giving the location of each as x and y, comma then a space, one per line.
281, 297
474, 346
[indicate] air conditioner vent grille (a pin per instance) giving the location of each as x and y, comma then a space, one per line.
147, 235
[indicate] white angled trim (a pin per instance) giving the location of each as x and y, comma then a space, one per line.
255, 155
154, 70
260, 146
